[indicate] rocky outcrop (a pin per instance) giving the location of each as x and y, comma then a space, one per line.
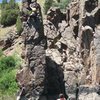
8, 41
1, 42
64, 58
32, 74
55, 16
73, 45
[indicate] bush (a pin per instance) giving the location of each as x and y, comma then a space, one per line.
9, 13
19, 25
1, 53
9, 17
62, 4
7, 63
8, 84
8, 66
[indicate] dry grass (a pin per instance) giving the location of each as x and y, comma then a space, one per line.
7, 97
4, 31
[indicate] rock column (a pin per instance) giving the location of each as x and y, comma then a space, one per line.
31, 76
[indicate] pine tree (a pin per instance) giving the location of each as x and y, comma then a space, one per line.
19, 25
9, 13
4, 2
12, 3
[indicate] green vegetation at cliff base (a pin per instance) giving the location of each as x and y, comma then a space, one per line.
8, 69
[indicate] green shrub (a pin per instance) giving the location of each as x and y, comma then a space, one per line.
62, 4
9, 17
9, 12
8, 69
19, 25
7, 63
1, 53
8, 84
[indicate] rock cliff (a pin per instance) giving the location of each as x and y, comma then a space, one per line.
64, 56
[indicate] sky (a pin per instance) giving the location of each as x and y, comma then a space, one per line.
16, 0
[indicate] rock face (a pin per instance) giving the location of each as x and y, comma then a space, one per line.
64, 56
31, 77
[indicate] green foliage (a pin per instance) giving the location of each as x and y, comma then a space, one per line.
8, 17
1, 53
12, 3
4, 2
8, 66
47, 5
9, 13
58, 3
8, 84
18, 59
19, 25
62, 4
7, 63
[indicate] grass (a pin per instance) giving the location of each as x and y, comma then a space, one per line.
4, 31
7, 97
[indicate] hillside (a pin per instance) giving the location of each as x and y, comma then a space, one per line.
6, 30
64, 58
60, 55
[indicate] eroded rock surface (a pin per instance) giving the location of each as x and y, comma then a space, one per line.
66, 58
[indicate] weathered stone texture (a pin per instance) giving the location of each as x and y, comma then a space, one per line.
71, 55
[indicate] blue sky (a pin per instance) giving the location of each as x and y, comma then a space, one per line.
16, 0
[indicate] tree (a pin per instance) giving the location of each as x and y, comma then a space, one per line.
9, 17
9, 12
19, 25
47, 5
4, 2
12, 3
